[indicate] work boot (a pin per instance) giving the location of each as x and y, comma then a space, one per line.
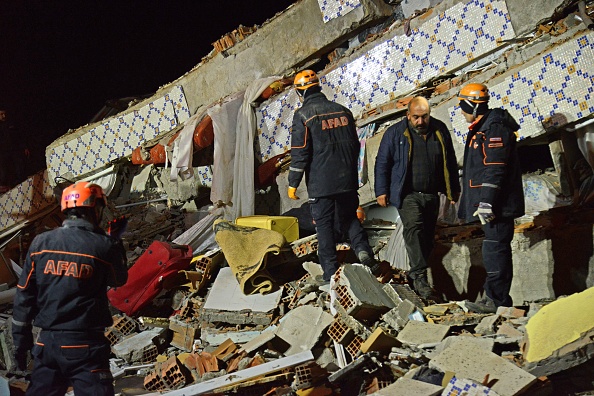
483, 306
367, 259
423, 289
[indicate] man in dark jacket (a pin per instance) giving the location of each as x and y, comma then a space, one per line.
63, 291
492, 190
415, 162
325, 148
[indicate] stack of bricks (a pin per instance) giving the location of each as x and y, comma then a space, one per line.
354, 347
307, 375
153, 382
305, 246
340, 332
122, 326
230, 39
174, 374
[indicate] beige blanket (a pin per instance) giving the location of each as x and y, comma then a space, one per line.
246, 250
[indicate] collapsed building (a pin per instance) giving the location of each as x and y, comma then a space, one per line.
186, 163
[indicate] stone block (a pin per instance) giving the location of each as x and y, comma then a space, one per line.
416, 333
468, 361
408, 386
302, 327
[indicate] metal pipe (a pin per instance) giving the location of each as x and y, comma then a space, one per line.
141, 203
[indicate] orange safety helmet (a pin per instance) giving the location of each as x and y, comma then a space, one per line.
306, 79
474, 92
82, 194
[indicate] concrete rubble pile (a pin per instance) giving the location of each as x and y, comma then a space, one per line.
360, 335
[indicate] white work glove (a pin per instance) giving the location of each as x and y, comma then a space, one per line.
484, 213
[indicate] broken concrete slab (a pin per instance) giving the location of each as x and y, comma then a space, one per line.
140, 347
468, 361
360, 294
227, 303
488, 325
416, 333
302, 328
560, 334
398, 317
409, 386
214, 337
452, 341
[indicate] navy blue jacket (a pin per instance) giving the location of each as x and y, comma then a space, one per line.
492, 172
324, 147
393, 157
64, 281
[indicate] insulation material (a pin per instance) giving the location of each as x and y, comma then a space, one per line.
243, 171
224, 120
183, 149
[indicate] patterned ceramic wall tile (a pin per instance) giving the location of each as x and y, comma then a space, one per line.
557, 89
116, 137
203, 175
336, 8
396, 67
25, 200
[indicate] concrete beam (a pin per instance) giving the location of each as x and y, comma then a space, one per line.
279, 46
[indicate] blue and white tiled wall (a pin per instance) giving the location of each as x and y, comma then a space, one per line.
556, 89
395, 67
25, 200
118, 136
332, 9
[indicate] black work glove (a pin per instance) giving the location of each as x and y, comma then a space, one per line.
117, 227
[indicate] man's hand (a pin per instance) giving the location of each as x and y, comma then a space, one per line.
383, 200
484, 213
292, 193
455, 198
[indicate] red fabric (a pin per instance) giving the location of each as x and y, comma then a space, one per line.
159, 262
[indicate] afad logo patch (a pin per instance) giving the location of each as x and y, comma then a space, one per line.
72, 196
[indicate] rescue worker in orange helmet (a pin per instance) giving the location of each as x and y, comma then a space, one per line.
325, 149
492, 191
63, 291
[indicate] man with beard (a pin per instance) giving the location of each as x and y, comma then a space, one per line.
415, 162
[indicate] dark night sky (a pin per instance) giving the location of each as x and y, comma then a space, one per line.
61, 60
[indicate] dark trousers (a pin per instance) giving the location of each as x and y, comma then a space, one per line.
64, 358
497, 259
342, 209
419, 215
